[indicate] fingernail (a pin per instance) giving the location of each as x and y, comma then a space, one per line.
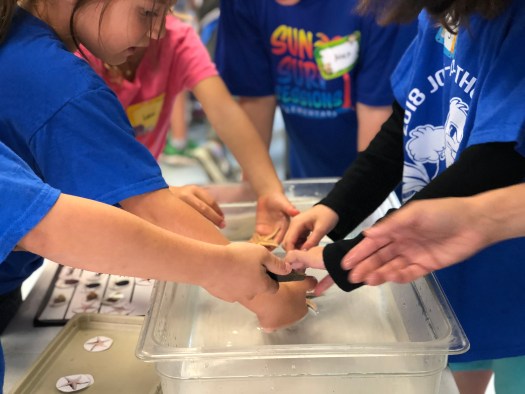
355, 278
310, 292
318, 293
347, 264
371, 281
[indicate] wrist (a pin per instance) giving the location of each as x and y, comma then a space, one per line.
211, 266
263, 187
327, 213
499, 217
258, 305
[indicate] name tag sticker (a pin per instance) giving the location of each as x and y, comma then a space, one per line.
448, 40
144, 116
338, 57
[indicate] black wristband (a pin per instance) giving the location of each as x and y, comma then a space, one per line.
333, 254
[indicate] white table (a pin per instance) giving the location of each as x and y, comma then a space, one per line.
23, 343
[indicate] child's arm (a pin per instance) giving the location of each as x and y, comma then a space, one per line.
241, 137
364, 186
201, 200
369, 122
167, 211
97, 237
234, 128
261, 112
428, 235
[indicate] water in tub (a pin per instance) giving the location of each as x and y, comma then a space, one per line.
341, 318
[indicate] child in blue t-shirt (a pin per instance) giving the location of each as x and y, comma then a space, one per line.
60, 118
457, 129
37, 218
325, 66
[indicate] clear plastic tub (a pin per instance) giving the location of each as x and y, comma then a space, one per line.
392, 338
389, 339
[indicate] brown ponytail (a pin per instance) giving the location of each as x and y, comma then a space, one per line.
7, 10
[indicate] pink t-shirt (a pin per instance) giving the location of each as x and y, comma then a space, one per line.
177, 62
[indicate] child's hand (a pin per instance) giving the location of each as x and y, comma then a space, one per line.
202, 201
241, 273
284, 308
313, 258
421, 237
273, 215
302, 259
308, 228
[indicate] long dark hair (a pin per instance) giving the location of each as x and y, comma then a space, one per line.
7, 10
449, 13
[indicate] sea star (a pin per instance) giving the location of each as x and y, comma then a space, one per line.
266, 240
102, 343
74, 383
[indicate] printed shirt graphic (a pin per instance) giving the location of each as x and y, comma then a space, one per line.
313, 76
460, 91
144, 116
318, 58
177, 62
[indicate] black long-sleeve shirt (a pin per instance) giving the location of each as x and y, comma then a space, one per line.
379, 169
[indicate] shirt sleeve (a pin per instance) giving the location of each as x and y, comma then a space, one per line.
370, 178
241, 55
191, 59
88, 149
24, 200
500, 114
381, 49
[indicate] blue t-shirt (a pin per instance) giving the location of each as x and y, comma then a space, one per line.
67, 125
318, 58
24, 201
457, 91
